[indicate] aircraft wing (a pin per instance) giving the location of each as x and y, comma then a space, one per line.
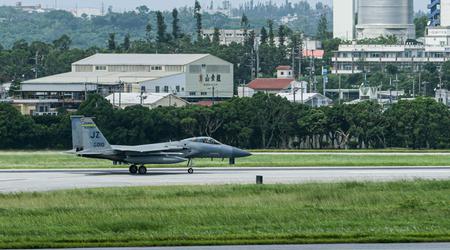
147, 149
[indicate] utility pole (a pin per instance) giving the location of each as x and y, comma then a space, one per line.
339, 88
36, 64
213, 95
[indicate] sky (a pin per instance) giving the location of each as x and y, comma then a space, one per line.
121, 5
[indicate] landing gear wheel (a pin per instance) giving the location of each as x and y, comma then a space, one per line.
133, 169
142, 170
190, 170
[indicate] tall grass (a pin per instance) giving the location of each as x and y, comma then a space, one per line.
307, 213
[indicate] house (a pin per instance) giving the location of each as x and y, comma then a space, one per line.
284, 82
150, 100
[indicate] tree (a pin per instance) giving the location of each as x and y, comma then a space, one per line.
161, 35
63, 43
148, 32
198, 18
245, 24
271, 33
264, 35
126, 42
216, 36
446, 73
175, 24
282, 32
392, 69
142, 10
322, 28
420, 24
112, 42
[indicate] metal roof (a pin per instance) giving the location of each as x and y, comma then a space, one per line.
140, 59
128, 99
102, 78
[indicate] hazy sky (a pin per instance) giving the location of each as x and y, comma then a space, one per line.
120, 5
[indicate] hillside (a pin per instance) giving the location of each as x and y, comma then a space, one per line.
88, 32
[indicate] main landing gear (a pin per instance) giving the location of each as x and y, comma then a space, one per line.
141, 170
190, 170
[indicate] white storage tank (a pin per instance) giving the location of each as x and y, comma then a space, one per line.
385, 17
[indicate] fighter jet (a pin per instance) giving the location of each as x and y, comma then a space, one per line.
88, 141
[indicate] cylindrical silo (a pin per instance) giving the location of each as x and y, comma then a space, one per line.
385, 17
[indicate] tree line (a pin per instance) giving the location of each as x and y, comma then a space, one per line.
263, 121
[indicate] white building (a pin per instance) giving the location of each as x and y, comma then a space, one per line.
149, 100
357, 58
344, 19
224, 8
4, 89
227, 36
443, 96
314, 100
445, 13
190, 76
437, 36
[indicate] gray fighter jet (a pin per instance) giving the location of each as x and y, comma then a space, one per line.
88, 141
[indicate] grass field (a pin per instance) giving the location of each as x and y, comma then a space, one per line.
51, 159
149, 216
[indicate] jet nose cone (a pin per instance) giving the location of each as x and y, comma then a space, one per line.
237, 153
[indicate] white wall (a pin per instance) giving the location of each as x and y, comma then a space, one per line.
344, 19
171, 81
445, 12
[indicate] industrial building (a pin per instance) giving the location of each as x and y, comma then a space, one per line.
385, 18
362, 19
439, 13
192, 77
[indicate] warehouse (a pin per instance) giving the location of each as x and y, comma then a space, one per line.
193, 77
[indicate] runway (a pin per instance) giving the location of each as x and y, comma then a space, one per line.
47, 180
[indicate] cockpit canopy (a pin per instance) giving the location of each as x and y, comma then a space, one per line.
206, 140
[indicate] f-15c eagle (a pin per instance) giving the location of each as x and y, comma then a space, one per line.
88, 141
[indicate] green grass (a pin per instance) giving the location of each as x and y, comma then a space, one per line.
52, 159
199, 215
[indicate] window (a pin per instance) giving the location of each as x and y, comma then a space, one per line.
204, 93
192, 93
177, 88
219, 78
156, 67
100, 68
166, 89
143, 89
282, 73
156, 89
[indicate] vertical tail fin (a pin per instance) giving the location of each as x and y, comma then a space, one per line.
92, 137
77, 137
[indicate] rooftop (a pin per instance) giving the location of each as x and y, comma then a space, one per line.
270, 83
140, 59
135, 98
103, 78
